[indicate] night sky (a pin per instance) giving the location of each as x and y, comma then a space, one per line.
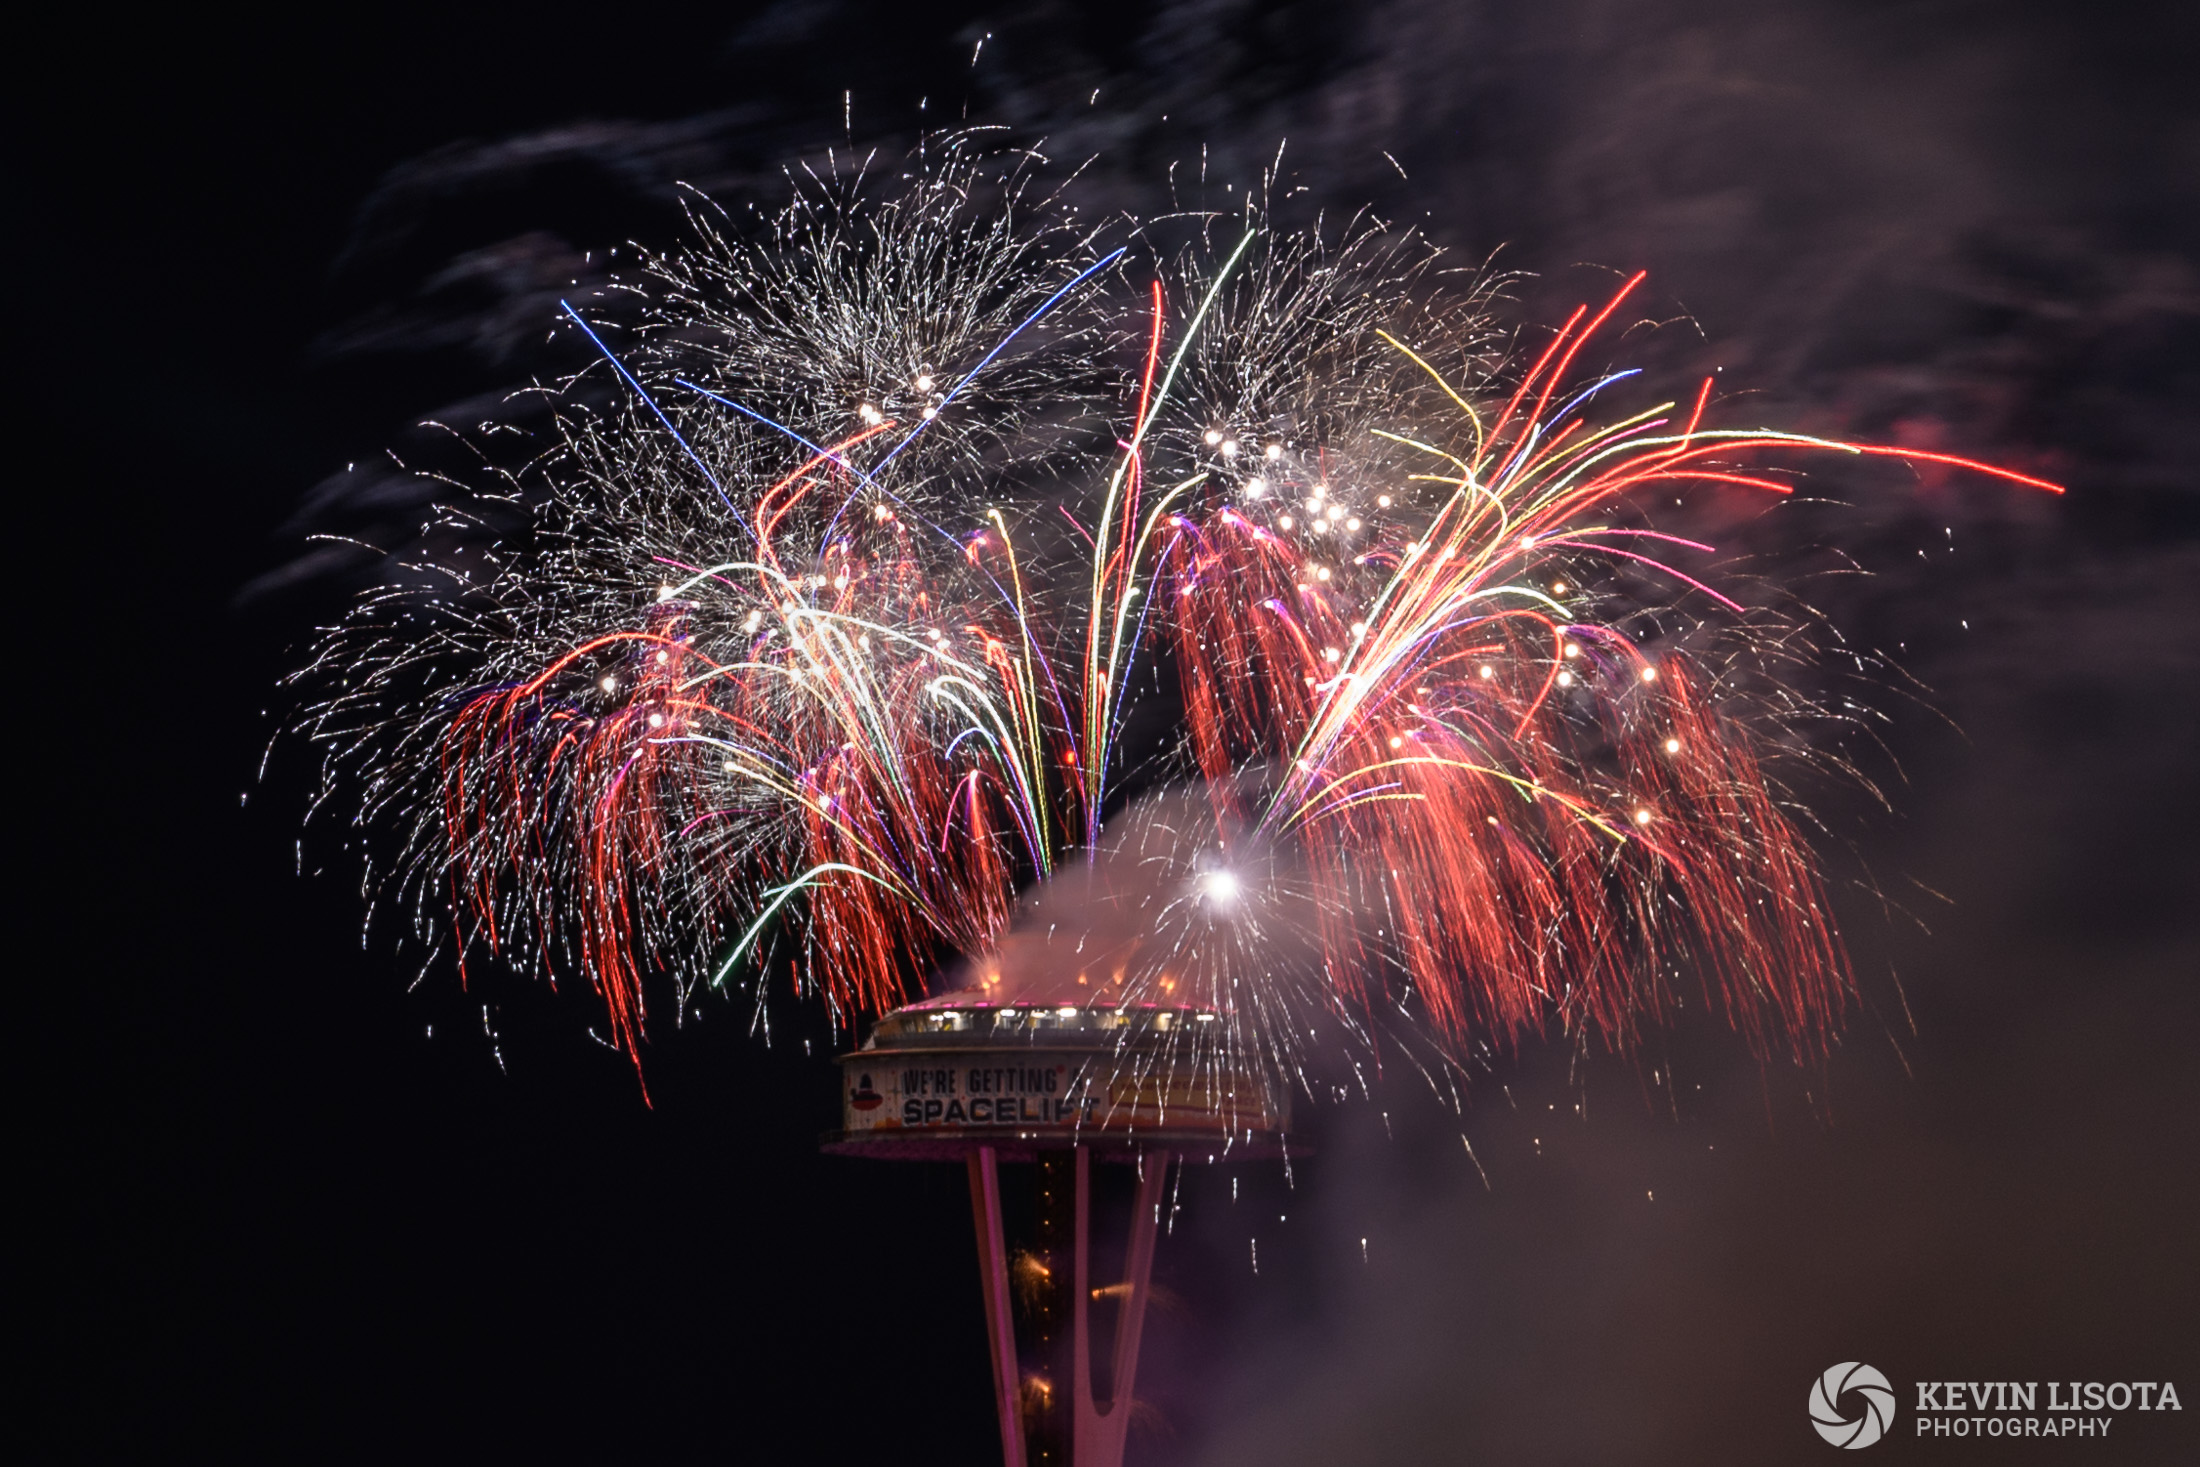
289, 1204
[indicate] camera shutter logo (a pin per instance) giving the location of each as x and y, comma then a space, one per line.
1868, 1390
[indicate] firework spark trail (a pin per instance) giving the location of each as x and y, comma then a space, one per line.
1439, 783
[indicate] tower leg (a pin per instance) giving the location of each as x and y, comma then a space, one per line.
1000, 1326
1101, 1432
1093, 1434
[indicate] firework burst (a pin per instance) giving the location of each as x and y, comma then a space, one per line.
830, 632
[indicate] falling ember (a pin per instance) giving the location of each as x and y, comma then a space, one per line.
712, 717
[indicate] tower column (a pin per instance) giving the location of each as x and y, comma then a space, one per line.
1101, 1431
1072, 1426
1000, 1323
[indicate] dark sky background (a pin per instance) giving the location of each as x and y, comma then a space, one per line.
275, 1219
